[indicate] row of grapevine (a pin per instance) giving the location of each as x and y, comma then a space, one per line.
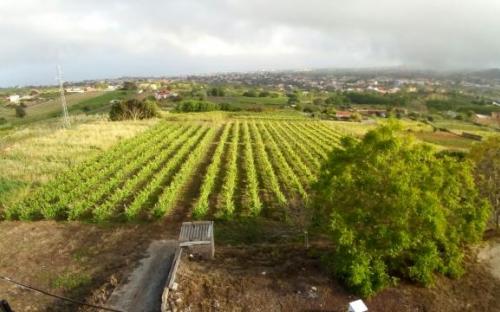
146, 176
148, 195
288, 177
201, 206
291, 155
308, 139
52, 200
323, 137
302, 147
171, 193
113, 206
328, 130
229, 185
84, 206
252, 184
269, 178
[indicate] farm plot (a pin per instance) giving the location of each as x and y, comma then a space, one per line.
245, 167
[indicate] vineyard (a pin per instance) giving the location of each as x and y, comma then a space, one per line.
234, 168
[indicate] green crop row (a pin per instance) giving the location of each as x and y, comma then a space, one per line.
148, 196
269, 178
230, 180
173, 191
252, 188
202, 204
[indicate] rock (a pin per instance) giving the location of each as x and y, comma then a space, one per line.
175, 286
263, 273
313, 288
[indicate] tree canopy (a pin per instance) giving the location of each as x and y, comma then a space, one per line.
395, 208
486, 156
133, 109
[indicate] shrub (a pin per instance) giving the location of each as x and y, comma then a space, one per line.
250, 93
133, 109
196, 106
395, 208
486, 157
20, 111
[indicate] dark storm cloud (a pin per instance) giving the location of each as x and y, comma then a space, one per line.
112, 38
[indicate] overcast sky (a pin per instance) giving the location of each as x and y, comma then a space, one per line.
112, 38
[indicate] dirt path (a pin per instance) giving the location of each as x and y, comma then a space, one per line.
490, 255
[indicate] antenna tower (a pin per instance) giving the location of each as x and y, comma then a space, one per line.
66, 121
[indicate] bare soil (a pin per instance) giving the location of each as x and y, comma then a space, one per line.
81, 261
87, 262
287, 278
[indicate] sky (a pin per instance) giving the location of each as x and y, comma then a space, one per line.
112, 38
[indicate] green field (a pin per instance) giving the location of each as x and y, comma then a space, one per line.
89, 102
246, 168
244, 102
33, 155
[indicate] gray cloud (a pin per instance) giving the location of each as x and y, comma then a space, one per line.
93, 39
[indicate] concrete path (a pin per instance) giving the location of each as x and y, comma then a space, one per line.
142, 292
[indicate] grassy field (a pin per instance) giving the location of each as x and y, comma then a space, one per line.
89, 102
287, 148
246, 102
247, 168
33, 155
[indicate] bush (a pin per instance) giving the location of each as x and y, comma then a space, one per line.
133, 109
486, 157
217, 91
250, 93
20, 111
196, 106
395, 208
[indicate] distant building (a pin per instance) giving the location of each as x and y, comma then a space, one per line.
164, 94
481, 116
343, 115
111, 88
14, 98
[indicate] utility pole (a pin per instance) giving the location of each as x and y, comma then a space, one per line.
66, 121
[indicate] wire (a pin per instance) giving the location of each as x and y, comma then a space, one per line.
56, 296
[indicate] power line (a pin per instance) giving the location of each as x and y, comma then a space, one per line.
57, 296
66, 121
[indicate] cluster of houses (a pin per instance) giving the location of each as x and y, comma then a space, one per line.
493, 118
164, 94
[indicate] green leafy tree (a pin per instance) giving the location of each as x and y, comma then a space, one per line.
129, 85
395, 208
197, 106
293, 98
250, 93
217, 91
133, 109
486, 156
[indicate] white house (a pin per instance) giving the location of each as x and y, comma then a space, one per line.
14, 98
75, 90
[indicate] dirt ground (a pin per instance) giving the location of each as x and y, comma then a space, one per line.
77, 260
86, 262
287, 278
